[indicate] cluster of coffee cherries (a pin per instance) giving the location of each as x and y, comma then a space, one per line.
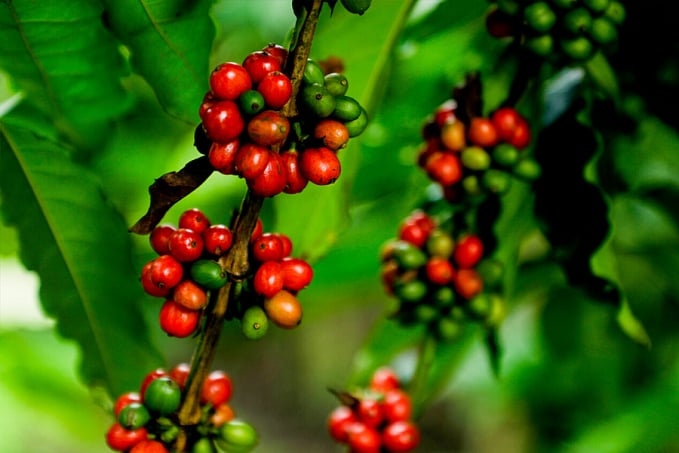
376, 419
270, 294
440, 279
145, 419
186, 269
244, 132
476, 157
572, 30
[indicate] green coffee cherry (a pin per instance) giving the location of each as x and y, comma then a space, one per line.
577, 21
541, 45
444, 297
596, 6
603, 31
527, 169
579, 49
491, 271
254, 323
440, 243
251, 102
497, 312
616, 12
313, 73
425, 313
162, 396
448, 329
475, 158
336, 83
208, 274
357, 126
317, 100
356, 6
496, 181
408, 256
480, 305
412, 291
472, 185
236, 436
134, 416
505, 154
346, 109
203, 445
539, 16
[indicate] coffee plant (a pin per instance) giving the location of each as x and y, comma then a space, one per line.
358, 226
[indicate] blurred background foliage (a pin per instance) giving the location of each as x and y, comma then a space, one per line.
570, 379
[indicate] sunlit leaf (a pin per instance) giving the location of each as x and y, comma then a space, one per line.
79, 246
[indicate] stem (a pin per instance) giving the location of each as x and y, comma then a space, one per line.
235, 263
418, 384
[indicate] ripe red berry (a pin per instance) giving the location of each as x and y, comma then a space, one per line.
505, 120
279, 52
400, 437
159, 238
229, 80
217, 388
178, 321
268, 128
149, 446
222, 413
384, 379
370, 412
194, 219
189, 295
208, 100
287, 243
250, 160
297, 273
522, 136
257, 231
337, 423
186, 245
221, 156
223, 121
268, 279
439, 270
179, 373
148, 285
218, 239
166, 271
320, 165
295, 181
444, 168
268, 247
482, 132
272, 180
468, 283
397, 405
259, 64
363, 439
276, 89
332, 133
445, 113
412, 232
120, 439
468, 251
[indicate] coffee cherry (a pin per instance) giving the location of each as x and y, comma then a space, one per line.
237, 436
250, 160
616, 12
276, 89
482, 132
578, 49
149, 446
539, 17
268, 128
336, 83
320, 165
166, 272
297, 274
178, 321
124, 400
453, 135
189, 295
268, 279
208, 274
577, 21
370, 412
338, 421
268, 247
287, 244
222, 156
223, 413
254, 323
150, 377
412, 232
295, 180
397, 405
186, 245
346, 109
384, 379
283, 309
444, 168
596, 6
357, 126
317, 100
475, 158
363, 439
356, 6
468, 251
467, 283
313, 73
120, 439
218, 239
180, 373
439, 270
194, 219
223, 121
134, 416
149, 286
505, 155
229, 80
259, 63
400, 437
216, 389
272, 180
279, 52
162, 396
204, 445
408, 256
251, 102
332, 133
439, 243
160, 237
603, 31
541, 45
410, 291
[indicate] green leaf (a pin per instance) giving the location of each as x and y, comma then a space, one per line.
79, 246
603, 76
170, 44
66, 64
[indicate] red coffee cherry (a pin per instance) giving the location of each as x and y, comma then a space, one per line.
250, 160
166, 271
268, 279
223, 413
268, 128
468, 283
268, 247
320, 165
445, 113
223, 121
283, 309
189, 295
444, 168
125, 399
468, 251
148, 285
216, 389
257, 231
363, 439
178, 321
482, 132
439, 270
276, 89
332, 133
149, 446
179, 373
279, 52
400, 437
397, 405
370, 412
160, 237
297, 274
222, 155
453, 136
120, 439
384, 379
229, 80
208, 100
287, 244
522, 135
295, 180
338, 421
412, 232
272, 180
218, 239
194, 219
186, 245
259, 64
